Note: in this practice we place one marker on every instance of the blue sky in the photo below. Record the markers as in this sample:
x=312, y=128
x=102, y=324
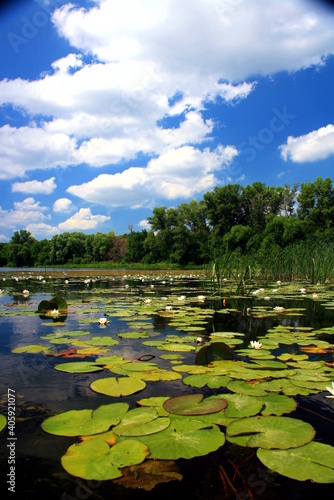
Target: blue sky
x=110, y=108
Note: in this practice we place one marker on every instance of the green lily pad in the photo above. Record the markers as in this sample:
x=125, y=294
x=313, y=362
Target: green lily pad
x=3, y=422
x=184, y=438
x=79, y=367
x=32, y=349
x=77, y=423
x=123, y=386
x=193, y=404
x=244, y=387
x=213, y=352
x=101, y=341
x=314, y=461
x=277, y=404
x=270, y=432
x=95, y=460
x=209, y=379
x=241, y=405
x=141, y=422
x=58, y=303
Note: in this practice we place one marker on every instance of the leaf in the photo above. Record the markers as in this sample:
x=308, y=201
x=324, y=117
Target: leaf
x=123, y=386
x=314, y=461
x=3, y=422
x=95, y=460
x=193, y=404
x=140, y=422
x=184, y=438
x=77, y=423
x=244, y=387
x=79, y=367
x=241, y=405
x=32, y=349
x=271, y=432
x=213, y=352
x=149, y=474
x=211, y=380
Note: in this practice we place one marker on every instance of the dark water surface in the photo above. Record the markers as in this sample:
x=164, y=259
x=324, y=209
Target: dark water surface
x=232, y=472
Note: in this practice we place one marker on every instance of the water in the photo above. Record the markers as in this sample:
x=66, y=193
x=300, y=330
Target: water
x=232, y=472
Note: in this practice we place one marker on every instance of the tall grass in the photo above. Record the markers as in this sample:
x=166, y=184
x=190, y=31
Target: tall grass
x=314, y=263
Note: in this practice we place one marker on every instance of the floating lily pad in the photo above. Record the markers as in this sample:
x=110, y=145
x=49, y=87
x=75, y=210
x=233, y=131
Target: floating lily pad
x=3, y=422
x=184, y=438
x=141, y=422
x=79, y=367
x=241, y=405
x=149, y=474
x=270, y=432
x=213, y=352
x=32, y=349
x=77, y=423
x=314, y=461
x=193, y=404
x=244, y=387
x=123, y=386
x=95, y=460
x=209, y=379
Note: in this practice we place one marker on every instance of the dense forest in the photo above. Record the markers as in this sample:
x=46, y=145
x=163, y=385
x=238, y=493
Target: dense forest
x=275, y=228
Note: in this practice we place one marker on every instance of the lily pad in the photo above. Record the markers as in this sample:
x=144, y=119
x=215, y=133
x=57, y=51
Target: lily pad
x=270, y=432
x=79, y=367
x=95, y=460
x=184, y=438
x=149, y=474
x=3, y=422
x=193, y=404
x=77, y=423
x=314, y=461
x=123, y=386
x=32, y=349
x=213, y=352
x=141, y=422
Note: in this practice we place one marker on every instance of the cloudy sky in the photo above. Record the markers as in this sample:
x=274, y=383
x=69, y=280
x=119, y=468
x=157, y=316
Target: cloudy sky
x=110, y=108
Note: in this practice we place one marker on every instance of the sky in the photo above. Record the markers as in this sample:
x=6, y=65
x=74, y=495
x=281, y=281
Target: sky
x=110, y=108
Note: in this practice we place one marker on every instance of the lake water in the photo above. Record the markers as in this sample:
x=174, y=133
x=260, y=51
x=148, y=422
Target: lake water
x=41, y=391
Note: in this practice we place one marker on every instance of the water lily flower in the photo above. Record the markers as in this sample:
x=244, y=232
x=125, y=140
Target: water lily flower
x=331, y=390
x=278, y=282
x=255, y=344
x=302, y=290
x=199, y=340
x=181, y=297
x=201, y=298
x=25, y=293
x=147, y=301
x=279, y=309
x=266, y=298
x=168, y=308
x=103, y=321
x=315, y=295
x=54, y=312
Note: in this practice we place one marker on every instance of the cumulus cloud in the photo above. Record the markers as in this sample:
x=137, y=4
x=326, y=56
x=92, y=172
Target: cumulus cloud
x=83, y=220
x=314, y=146
x=63, y=205
x=177, y=172
x=25, y=212
x=42, y=230
x=141, y=54
x=35, y=187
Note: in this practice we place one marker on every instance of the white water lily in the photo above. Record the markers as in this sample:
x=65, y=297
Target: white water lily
x=302, y=290
x=54, y=312
x=201, y=298
x=199, y=340
x=331, y=390
x=279, y=309
x=103, y=321
x=147, y=301
x=25, y=293
x=168, y=308
x=255, y=344
x=181, y=297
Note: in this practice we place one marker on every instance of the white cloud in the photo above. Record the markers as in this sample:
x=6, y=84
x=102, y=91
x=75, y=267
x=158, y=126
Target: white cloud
x=177, y=172
x=83, y=220
x=42, y=230
x=63, y=205
x=142, y=54
x=314, y=146
x=144, y=224
x=25, y=212
x=35, y=187
x=29, y=148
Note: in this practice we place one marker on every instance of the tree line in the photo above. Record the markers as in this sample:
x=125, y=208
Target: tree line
x=254, y=221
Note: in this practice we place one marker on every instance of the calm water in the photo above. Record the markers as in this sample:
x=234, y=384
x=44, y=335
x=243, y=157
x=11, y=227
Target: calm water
x=41, y=391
